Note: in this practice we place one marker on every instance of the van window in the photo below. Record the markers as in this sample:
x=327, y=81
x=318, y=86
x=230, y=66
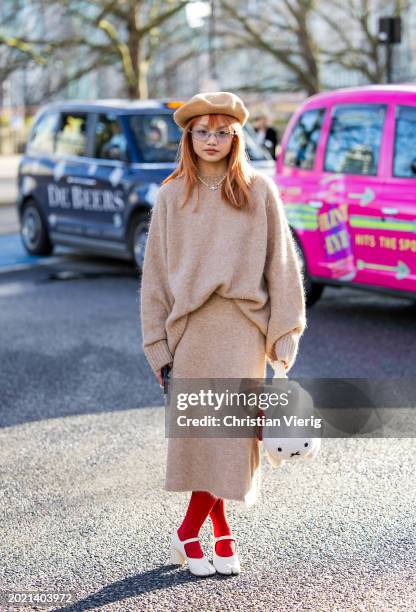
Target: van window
x=404, y=164
x=301, y=147
x=157, y=137
x=354, y=139
x=72, y=135
x=43, y=134
x=110, y=141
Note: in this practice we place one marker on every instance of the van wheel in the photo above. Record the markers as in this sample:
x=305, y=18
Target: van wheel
x=34, y=232
x=138, y=230
x=313, y=291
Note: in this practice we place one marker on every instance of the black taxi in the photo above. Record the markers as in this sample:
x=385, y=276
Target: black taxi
x=91, y=171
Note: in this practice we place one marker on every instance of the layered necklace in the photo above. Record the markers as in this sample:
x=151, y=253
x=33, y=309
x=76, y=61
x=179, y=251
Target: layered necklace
x=215, y=180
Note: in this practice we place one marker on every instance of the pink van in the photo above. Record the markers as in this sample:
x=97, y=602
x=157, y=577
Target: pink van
x=347, y=175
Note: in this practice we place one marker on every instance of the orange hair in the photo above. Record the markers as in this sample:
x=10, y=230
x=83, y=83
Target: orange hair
x=240, y=173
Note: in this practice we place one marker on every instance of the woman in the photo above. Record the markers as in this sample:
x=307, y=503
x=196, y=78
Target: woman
x=222, y=294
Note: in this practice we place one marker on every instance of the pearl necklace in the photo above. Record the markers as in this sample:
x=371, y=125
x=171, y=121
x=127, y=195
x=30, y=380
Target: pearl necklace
x=215, y=186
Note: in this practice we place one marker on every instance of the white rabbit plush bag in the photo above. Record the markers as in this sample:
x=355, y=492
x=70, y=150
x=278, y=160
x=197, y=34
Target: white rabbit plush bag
x=280, y=450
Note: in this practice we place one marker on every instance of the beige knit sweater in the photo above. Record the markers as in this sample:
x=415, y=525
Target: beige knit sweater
x=247, y=257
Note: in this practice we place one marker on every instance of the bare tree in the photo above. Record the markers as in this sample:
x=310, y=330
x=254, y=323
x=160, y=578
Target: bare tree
x=309, y=39
x=15, y=52
x=304, y=39
x=282, y=30
x=353, y=42
x=105, y=32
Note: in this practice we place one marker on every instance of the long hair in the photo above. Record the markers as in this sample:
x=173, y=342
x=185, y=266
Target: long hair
x=235, y=188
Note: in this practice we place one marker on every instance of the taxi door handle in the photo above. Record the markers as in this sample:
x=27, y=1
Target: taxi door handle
x=389, y=211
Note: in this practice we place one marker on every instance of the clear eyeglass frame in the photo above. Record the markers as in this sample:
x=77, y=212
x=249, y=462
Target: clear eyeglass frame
x=203, y=135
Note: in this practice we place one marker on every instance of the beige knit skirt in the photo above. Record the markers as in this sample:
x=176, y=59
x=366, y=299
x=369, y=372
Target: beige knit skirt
x=210, y=348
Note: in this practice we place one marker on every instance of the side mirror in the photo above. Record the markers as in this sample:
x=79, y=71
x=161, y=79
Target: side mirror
x=413, y=166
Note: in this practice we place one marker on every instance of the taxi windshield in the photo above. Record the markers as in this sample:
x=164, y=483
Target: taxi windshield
x=157, y=138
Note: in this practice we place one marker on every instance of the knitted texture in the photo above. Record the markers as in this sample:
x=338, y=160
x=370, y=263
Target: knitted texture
x=248, y=256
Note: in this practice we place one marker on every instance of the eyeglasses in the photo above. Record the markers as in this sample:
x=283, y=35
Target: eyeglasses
x=203, y=135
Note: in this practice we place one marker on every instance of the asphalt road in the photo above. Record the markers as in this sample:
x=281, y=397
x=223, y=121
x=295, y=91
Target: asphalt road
x=82, y=453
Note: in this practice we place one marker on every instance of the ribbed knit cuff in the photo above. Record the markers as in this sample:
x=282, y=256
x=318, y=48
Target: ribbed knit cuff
x=279, y=369
x=158, y=354
x=286, y=348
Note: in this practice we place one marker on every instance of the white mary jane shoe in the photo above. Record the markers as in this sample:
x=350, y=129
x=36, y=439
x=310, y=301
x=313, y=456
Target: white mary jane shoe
x=226, y=565
x=198, y=567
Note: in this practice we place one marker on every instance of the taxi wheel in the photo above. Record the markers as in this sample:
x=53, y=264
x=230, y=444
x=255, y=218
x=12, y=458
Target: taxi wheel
x=139, y=228
x=313, y=291
x=34, y=232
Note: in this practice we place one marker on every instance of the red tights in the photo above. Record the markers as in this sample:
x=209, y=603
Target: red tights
x=202, y=504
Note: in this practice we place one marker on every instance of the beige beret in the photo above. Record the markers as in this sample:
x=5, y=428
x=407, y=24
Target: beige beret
x=216, y=102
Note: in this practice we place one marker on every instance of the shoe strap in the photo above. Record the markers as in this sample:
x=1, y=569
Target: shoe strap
x=224, y=537
x=189, y=540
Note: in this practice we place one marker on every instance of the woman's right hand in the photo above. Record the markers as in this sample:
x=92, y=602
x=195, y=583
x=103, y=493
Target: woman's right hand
x=158, y=374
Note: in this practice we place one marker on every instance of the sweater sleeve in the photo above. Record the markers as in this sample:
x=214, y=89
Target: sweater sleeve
x=285, y=285
x=156, y=298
